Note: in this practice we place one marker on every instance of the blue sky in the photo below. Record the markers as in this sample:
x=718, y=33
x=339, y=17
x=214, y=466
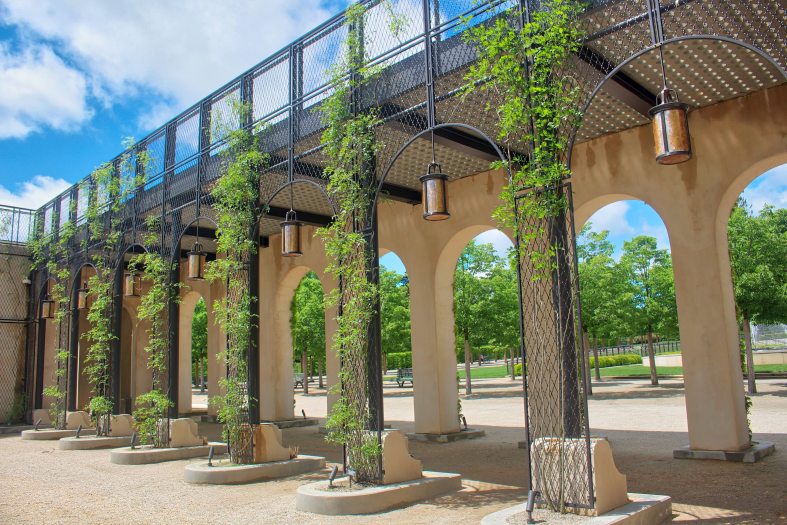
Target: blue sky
x=79, y=76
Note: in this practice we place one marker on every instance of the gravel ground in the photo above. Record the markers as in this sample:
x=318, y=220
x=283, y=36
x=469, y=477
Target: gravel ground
x=41, y=484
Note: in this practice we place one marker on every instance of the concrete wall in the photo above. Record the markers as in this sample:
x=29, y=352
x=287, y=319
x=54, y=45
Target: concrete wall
x=14, y=268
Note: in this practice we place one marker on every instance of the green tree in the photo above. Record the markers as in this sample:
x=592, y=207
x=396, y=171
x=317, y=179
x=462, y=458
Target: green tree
x=308, y=327
x=503, y=306
x=650, y=290
x=199, y=343
x=758, y=258
x=471, y=292
x=602, y=284
x=394, y=312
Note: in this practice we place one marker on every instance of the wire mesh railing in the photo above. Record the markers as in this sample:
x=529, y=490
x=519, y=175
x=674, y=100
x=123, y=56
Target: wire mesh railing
x=16, y=224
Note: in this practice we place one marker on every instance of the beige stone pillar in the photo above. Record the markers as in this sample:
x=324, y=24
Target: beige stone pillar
x=709, y=338
x=434, y=359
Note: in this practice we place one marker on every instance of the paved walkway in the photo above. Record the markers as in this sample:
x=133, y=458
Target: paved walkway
x=40, y=484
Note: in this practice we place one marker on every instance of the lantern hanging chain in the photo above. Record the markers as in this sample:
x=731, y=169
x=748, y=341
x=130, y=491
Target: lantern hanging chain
x=292, y=197
x=663, y=67
x=434, y=158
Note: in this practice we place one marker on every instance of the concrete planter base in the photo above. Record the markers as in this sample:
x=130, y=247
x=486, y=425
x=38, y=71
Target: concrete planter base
x=145, y=455
x=319, y=499
x=52, y=434
x=754, y=453
x=93, y=442
x=201, y=473
x=470, y=433
x=294, y=423
x=644, y=509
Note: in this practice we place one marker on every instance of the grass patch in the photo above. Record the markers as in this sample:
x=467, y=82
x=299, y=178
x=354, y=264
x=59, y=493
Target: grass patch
x=485, y=372
x=644, y=371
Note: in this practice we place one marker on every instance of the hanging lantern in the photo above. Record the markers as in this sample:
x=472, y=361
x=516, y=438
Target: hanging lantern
x=434, y=194
x=291, y=235
x=670, y=123
x=196, y=258
x=132, y=284
x=48, y=308
x=82, y=297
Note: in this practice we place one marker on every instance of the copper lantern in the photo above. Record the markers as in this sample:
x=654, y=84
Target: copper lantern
x=434, y=194
x=82, y=297
x=670, y=129
x=196, y=259
x=47, y=308
x=132, y=284
x=291, y=235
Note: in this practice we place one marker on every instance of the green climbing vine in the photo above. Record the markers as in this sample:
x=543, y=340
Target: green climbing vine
x=110, y=191
x=236, y=198
x=525, y=68
x=51, y=252
x=350, y=146
x=151, y=407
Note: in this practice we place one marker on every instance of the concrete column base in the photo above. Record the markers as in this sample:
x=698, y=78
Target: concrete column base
x=293, y=423
x=145, y=455
x=470, y=433
x=319, y=498
x=643, y=509
x=93, y=442
x=52, y=434
x=228, y=474
x=757, y=451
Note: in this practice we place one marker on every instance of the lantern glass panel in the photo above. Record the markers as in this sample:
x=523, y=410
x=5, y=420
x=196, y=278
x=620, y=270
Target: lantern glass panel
x=434, y=196
x=291, y=239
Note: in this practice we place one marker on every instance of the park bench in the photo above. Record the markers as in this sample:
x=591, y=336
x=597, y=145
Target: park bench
x=298, y=380
x=403, y=375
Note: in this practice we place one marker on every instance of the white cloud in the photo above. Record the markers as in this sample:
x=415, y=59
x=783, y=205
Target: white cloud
x=659, y=231
x=37, y=89
x=181, y=51
x=497, y=239
x=33, y=193
x=612, y=217
x=768, y=188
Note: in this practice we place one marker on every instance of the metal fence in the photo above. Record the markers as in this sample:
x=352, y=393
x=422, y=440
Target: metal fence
x=769, y=336
x=16, y=224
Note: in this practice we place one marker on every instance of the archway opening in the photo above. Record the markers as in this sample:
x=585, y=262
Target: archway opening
x=486, y=310
x=307, y=328
x=199, y=357
x=629, y=311
x=756, y=233
x=396, y=340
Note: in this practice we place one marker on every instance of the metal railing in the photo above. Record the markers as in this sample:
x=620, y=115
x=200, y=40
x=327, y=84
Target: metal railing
x=16, y=224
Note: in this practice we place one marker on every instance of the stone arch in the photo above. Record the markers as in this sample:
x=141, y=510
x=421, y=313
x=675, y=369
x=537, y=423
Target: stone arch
x=188, y=303
x=283, y=372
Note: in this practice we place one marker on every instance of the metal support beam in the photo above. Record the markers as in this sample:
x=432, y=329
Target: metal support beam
x=392, y=191
x=461, y=141
x=620, y=85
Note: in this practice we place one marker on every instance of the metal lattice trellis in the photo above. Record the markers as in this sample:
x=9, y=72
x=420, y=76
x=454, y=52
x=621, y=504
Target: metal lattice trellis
x=714, y=50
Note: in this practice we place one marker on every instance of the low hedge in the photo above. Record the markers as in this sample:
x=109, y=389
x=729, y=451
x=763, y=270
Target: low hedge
x=616, y=360
x=603, y=362
x=399, y=360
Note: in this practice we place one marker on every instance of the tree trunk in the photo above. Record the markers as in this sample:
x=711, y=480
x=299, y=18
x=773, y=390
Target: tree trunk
x=749, y=356
x=200, y=382
x=596, y=365
x=513, y=372
x=319, y=371
x=586, y=356
x=468, y=360
x=654, y=378
x=304, y=373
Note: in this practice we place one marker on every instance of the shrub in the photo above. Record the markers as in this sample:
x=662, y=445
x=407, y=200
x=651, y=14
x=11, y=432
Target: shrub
x=616, y=360
x=518, y=369
x=398, y=360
